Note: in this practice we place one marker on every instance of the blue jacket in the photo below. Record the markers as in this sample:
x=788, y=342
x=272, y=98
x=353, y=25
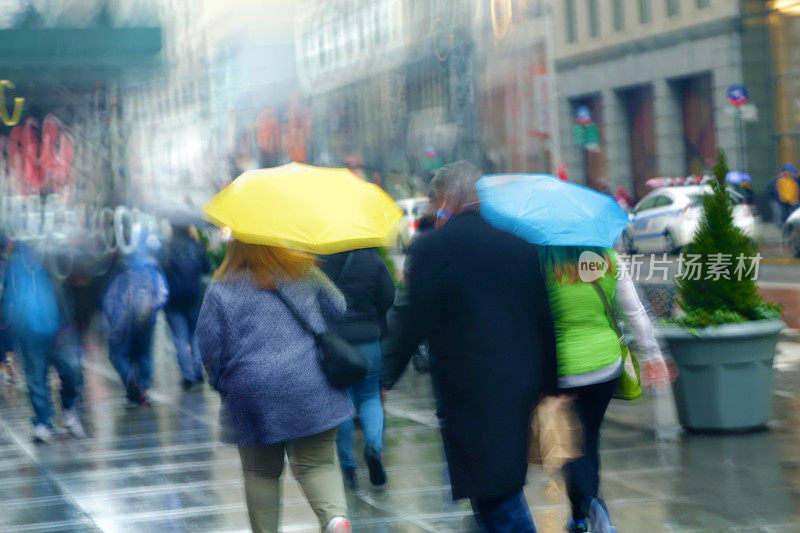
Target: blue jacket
x=264, y=364
x=30, y=301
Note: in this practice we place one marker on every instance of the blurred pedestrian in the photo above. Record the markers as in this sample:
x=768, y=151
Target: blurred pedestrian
x=561, y=172
x=421, y=359
x=131, y=304
x=623, y=198
x=785, y=191
x=368, y=288
x=186, y=263
x=32, y=311
x=590, y=362
x=8, y=365
x=275, y=397
x=479, y=297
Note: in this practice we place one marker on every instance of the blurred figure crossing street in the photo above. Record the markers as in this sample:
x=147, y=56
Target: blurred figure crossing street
x=477, y=294
x=32, y=310
x=276, y=400
x=368, y=288
x=590, y=362
x=130, y=304
x=186, y=263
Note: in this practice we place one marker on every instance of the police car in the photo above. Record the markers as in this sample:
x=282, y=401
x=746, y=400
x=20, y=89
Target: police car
x=666, y=219
x=791, y=232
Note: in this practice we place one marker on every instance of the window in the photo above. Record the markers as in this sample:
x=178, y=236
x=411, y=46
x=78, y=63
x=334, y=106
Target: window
x=569, y=14
x=594, y=23
x=673, y=8
x=647, y=204
x=619, y=15
x=663, y=201
x=645, y=15
x=702, y=4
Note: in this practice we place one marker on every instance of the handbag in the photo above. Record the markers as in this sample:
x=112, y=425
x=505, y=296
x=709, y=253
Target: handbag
x=629, y=386
x=342, y=364
x=556, y=433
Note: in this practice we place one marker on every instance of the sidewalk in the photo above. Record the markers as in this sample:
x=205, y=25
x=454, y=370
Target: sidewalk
x=163, y=469
x=714, y=483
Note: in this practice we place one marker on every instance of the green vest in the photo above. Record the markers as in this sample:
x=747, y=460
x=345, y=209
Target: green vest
x=585, y=341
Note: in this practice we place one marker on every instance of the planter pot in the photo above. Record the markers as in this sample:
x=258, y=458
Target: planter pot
x=726, y=377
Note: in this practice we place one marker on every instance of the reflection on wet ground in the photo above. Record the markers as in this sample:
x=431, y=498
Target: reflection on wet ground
x=162, y=469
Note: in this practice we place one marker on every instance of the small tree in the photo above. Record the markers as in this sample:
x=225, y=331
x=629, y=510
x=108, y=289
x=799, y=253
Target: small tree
x=729, y=297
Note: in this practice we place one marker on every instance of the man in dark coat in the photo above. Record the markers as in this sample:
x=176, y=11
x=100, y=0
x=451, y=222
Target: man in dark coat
x=477, y=294
x=368, y=288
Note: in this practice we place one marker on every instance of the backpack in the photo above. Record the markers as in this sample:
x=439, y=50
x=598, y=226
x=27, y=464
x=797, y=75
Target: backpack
x=140, y=299
x=134, y=297
x=788, y=190
x=184, y=269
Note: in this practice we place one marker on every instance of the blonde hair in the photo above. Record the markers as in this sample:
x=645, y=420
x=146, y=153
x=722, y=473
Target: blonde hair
x=268, y=265
x=561, y=263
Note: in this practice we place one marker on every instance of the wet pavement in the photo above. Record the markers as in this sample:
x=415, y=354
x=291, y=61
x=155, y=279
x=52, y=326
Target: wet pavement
x=161, y=468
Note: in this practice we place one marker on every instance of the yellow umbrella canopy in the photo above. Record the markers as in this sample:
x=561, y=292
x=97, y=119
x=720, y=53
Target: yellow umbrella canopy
x=303, y=207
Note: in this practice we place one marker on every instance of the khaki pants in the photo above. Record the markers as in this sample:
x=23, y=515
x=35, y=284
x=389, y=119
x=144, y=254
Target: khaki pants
x=311, y=459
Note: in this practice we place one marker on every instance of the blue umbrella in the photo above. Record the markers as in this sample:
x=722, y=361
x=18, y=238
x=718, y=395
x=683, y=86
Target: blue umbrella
x=737, y=177
x=544, y=210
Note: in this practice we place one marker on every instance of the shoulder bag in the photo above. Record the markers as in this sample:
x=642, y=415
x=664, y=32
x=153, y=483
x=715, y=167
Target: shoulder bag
x=342, y=365
x=630, y=381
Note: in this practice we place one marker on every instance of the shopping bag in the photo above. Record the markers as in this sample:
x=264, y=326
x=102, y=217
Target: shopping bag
x=556, y=433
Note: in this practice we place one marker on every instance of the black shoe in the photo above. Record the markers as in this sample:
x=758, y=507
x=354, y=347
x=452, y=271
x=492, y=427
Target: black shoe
x=142, y=400
x=349, y=476
x=132, y=392
x=186, y=384
x=377, y=475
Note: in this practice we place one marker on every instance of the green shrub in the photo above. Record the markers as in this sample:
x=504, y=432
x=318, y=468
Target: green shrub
x=384, y=253
x=711, y=302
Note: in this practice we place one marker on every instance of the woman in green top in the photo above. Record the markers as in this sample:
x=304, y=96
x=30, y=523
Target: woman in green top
x=589, y=358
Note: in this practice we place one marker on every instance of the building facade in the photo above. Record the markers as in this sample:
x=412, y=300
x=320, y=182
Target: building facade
x=171, y=160
x=653, y=75
x=515, y=93
x=64, y=64
x=391, y=86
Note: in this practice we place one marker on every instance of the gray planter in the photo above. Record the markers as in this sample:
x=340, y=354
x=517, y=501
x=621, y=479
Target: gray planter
x=726, y=378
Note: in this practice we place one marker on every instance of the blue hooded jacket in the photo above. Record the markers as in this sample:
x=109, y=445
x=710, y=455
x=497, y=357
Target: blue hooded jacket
x=30, y=302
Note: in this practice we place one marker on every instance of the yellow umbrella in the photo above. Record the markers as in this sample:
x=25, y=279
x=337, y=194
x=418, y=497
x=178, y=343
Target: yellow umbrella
x=302, y=207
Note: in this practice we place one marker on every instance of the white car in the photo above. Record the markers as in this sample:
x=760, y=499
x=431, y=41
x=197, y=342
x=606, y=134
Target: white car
x=412, y=209
x=666, y=219
x=791, y=232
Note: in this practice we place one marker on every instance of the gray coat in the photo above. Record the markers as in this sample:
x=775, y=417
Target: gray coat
x=264, y=364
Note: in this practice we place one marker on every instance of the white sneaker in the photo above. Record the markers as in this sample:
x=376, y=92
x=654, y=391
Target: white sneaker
x=73, y=424
x=42, y=433
x=338, y=525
